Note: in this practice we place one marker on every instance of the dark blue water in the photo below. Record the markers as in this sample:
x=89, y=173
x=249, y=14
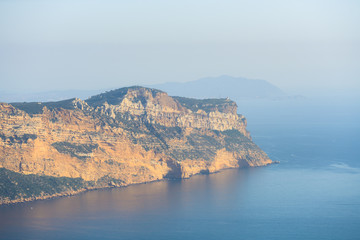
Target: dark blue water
x=314, y=193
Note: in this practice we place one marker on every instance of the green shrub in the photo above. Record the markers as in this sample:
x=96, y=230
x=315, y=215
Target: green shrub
x=75, y=150
x=16, y=185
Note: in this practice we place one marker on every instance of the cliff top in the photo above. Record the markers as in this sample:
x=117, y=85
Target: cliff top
x=37, y=107
x=115, y=97
x=207, y=105
x=134, y=94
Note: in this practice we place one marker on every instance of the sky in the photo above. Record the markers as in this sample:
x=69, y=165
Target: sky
x=300, y=46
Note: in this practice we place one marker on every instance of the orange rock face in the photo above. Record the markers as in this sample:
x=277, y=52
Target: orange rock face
x=130, y=135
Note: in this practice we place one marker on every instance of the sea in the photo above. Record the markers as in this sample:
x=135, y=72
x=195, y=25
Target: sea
x=313, y=193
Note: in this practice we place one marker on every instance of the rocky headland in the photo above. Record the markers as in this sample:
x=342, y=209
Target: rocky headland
x=121, y=137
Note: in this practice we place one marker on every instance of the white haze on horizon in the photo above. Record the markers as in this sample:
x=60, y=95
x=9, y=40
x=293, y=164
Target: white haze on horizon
x=303, y=47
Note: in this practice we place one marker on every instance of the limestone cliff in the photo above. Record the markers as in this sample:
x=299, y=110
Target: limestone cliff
x=126, y=136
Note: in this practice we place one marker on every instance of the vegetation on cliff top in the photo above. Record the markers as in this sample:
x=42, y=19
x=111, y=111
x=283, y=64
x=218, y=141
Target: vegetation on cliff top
x=114, y=97
x=37, y=107
x=207, y=105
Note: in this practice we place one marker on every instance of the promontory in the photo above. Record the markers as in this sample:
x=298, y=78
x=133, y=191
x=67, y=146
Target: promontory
x=121, y=137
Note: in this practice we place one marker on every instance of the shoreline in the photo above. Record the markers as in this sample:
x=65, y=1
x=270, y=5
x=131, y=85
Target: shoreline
x=73, y=193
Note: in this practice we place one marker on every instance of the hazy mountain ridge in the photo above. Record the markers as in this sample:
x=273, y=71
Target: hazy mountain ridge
x=121, y=137
x=222, y=87
x=210, y=87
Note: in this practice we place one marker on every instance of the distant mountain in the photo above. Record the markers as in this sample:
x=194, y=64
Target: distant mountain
x=221, y=87
x=235, y=88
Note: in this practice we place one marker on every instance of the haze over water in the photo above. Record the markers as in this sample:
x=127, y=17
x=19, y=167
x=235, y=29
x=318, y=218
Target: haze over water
x=312, y=194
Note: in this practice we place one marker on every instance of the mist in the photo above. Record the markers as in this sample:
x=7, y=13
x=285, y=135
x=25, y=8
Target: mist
x=309, y=48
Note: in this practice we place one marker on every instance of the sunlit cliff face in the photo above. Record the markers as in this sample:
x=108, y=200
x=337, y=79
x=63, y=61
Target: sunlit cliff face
x=125, y=136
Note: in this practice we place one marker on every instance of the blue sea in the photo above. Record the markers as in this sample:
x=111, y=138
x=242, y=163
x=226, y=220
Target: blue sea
x=314, y=193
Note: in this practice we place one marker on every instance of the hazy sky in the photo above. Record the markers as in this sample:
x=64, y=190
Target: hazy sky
x=96, y=44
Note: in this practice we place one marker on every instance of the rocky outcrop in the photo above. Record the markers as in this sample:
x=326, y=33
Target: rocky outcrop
x=126, y=136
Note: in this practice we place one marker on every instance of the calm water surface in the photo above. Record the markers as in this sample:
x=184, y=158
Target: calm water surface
x=313, y=194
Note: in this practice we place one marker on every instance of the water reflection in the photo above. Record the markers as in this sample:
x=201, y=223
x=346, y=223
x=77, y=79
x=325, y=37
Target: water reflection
x=274, y=199
x=158, y=197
